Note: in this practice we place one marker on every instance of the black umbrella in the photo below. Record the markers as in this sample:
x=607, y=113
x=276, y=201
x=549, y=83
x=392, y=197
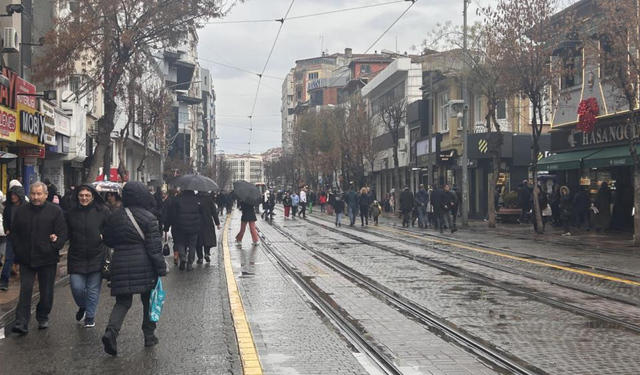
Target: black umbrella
x=195, y=182
x=247, y=193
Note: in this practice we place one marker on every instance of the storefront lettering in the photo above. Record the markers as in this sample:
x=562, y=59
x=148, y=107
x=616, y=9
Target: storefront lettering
x=7, y=123
x=8, y=93
x=32, y=123
x=617, y=133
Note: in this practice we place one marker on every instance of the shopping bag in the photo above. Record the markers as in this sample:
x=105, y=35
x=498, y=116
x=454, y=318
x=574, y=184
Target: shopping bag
x=165, y=249
x=156, y=302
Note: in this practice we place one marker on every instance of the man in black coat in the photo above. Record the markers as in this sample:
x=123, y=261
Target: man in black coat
x=406, y=206
x=524, y=200
x=52, y=190
x=186, y=218
x=38, y=233
x=436, y=199
x=449, y=203
x=207, y=236
x=581, y=206
x=15, y=199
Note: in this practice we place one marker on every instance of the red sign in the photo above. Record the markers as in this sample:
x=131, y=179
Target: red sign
x=24, y=87
x=113, y=176
x=9, y=95
x=32, y=152
x=8, y=124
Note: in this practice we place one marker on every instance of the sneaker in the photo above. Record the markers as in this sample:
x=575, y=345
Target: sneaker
x=255, y=244
x=80, y=314
x=566, y=234
x=182, y=265
x=20, y=329
x=110, y=343
x=152, y=341
x=89, y=322
x=4, y=285
x=43, y=324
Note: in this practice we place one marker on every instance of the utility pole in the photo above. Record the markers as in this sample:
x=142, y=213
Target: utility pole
x=465, y=123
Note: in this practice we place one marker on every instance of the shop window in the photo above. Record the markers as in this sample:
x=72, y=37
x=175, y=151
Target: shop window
x=572, y=66
x=607, y=66
x=501, y=110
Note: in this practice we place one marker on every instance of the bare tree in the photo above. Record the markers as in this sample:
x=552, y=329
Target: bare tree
x=155, y=106
x=393, y=115
x=223, y=172
x=105, y=35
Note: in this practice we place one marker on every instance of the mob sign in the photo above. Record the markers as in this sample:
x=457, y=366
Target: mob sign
x=32, y=124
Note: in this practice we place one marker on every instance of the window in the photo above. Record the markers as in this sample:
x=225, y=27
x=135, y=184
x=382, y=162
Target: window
x=443, y=99
x=572, y=66
x=607, y=66
x=299, y=94
x=313, y=75
x=289, y=98
x=365, y=69
x=501, y=110
x=478, y=110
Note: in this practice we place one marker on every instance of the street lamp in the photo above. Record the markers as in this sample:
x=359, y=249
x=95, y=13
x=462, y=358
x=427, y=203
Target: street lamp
x=13, y=8
x=465, y=123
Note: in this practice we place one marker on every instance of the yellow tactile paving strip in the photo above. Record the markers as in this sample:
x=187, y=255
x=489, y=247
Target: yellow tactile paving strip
x=248, y=352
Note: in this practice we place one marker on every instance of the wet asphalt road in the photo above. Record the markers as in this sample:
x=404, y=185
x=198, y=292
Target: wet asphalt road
x=195, y=332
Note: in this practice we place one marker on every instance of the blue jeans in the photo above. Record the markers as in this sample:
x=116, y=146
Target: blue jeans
x=86, y=291
x=422, y=216
x=339, y=218
x=8, y=262
x=352, y=215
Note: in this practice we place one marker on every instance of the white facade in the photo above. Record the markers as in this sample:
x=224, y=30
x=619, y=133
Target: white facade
x=286, y=109
x=246, y=167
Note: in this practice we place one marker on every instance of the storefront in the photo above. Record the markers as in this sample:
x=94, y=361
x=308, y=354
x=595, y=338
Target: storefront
x=585, y=161
x=8, y=127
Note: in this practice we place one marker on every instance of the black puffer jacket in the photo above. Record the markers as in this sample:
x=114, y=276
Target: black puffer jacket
x=9, y=208
x=136, y=263
x=86, y=225
x=186, y=213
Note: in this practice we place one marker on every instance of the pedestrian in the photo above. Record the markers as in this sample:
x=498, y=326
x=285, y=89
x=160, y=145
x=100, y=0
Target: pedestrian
x=65, y=203
x=295, y=202
x=331, y=200
x=545, y=210
x=186, y=213
x=221, y=202
x=286, y=202
x=406, y=206
x=265, y=204
x=114, y=201
x=363, y=205
x=303, y=203
x=436, y=198
x=87, y=220
x=524, y=200
x=603, y=206
x=338, y=207
x=3, y=235
x=158, y=197
x=581, y=206
x=449, y=203
x=230, y=199
x=312, y=200
x=430, y=213
x=38, y=232
x=248, y=217
x=166, y=223
x=455, y=209
x=376, y=211
x=392, y=200
x=323, y=201
x=271, y=206
x=209, y=221
x=52, y=190
x=137, y=262
x=422, y=200
x=351, y=199
x=14, y=200
x=566, y=209
x=554, y=201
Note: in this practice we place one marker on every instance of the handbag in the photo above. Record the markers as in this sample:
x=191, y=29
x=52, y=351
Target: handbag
x=105, y=271
x=165, y=249
x=156, y=301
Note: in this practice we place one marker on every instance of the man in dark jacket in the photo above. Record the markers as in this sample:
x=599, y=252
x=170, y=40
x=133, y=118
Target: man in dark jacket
x=422, y=198
x=524, y=200
x=52, y=190
x=406, y=206
x=436, y=199
x=221, y=202
x=186, y=216
x=351, y=199
x=137, y=262
x=449, y=203
x=38, y=232
x=581, y=206
x=207, y=236
x=15, y=199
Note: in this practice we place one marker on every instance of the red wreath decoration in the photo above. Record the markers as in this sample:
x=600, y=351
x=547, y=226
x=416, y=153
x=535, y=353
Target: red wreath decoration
x=587, y=111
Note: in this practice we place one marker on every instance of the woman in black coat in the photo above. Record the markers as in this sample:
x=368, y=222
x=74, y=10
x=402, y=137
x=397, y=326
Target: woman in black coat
x=207, y=236
x=137, y=262
x=86, y=221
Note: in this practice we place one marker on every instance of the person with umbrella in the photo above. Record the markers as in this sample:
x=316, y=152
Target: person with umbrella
x=248, y=196
x=185, y=219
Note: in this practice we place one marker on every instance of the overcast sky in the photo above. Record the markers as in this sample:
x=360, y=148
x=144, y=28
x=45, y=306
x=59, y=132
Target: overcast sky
x=246, y=46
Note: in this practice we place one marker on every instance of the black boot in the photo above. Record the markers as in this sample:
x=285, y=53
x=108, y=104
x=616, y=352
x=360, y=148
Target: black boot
x=110, y=343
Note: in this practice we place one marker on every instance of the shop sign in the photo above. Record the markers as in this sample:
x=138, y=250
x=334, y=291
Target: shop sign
x=32, y=152
x=49, y=113
x=30, y=161
x=8, y=124
x=574, y=139
x=422, y=147
x=32, y=125
x=62, y=124
x=24, y=87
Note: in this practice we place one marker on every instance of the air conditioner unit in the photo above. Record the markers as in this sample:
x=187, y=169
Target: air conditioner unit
x=11, y=41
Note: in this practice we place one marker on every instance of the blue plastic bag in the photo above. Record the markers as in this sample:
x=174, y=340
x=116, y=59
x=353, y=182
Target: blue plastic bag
x=156, y=302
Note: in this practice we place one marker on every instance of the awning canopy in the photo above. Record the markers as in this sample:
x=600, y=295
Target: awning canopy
x=564, y=161
x=610, y=157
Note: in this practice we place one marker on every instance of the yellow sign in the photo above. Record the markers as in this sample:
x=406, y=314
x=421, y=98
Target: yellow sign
x=483, y=146
x=8, y=124
x=31, y=124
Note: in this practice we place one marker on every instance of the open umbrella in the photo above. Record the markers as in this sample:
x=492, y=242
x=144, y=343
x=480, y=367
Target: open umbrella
x=108, y=187
x=195, y=182
x=247, y=193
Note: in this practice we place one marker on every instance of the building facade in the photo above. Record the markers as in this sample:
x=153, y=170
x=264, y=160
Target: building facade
x=246, y=167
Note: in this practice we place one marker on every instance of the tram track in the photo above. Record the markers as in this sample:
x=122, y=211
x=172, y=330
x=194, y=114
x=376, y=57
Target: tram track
x=490, y=281
x=499, y=360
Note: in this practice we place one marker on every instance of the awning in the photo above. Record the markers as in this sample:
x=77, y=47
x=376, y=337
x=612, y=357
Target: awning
x=610, y=157
x=564, y=161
